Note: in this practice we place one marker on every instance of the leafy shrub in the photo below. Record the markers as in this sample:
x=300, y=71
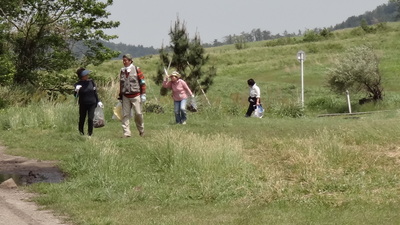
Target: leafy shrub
x=326, y=33
x=240, y=42
x=7, y=70
x=311, y=36
x=358, y=31
x=366, y=28
x=357, y=71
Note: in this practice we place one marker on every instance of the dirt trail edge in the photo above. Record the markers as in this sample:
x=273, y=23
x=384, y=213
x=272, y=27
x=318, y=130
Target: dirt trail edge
x=16, y=207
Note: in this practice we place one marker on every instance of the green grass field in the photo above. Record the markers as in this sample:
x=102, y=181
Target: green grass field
x=222, y=168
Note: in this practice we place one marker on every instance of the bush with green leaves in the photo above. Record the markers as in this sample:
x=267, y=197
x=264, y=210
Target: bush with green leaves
x=240, y=42
x=311, y=36
x=366, y=28
x=358, y=72
x=42, y=37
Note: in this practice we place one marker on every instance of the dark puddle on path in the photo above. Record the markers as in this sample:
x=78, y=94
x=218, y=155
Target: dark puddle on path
x=32, y=178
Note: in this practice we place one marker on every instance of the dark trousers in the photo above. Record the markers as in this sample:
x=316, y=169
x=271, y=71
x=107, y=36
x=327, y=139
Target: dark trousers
x=252, y=106
x=86, y=109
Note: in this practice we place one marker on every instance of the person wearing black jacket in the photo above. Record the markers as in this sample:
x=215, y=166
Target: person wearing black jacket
x=85, y=90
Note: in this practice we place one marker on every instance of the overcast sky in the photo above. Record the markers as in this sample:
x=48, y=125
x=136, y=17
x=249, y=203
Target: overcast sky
x=148, y=22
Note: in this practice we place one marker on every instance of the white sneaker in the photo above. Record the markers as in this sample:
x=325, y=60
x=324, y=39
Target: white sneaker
x=184, y=122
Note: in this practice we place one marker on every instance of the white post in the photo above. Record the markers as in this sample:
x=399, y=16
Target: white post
x=348, y=100
x=302, y=81
x=301, y=56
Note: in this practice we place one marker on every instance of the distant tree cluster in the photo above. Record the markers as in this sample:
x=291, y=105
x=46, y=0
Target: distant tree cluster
x=383, y=13
x=136, y=51
x=253, y=36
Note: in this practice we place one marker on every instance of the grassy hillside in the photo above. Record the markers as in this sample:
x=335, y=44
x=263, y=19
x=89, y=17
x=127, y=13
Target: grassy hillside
x=277, y=70
x=274, y=66
x=222, y=168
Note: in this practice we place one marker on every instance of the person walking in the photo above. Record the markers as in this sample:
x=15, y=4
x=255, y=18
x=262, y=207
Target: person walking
x=254, y=97
x=132, y=93
x=180, y=91
x=85, y=91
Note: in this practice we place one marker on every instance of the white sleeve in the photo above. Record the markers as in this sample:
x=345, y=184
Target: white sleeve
x=258, y=93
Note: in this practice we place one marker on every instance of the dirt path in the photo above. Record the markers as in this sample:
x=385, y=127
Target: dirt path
x=16, y=209
x=15, y=205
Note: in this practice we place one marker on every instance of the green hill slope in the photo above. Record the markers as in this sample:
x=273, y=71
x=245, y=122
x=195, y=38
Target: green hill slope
x=274, y=66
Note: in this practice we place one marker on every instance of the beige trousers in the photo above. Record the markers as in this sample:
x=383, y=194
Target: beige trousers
x=127, y=104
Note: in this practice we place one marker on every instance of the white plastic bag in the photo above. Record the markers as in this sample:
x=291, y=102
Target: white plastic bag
x=98, y=120
x=117, y=111
x=259, y=111
x=192, y=107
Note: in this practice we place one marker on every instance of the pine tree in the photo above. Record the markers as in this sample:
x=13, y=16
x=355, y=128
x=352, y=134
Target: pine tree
x=186, y=57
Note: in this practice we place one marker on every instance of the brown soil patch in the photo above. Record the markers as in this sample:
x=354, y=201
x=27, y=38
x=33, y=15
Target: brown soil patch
x=16, y=206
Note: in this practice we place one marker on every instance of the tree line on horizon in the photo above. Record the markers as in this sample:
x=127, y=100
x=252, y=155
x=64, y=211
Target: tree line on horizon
x=384, y=13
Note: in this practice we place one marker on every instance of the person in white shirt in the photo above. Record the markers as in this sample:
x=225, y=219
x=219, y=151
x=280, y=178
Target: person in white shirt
x=254, y=97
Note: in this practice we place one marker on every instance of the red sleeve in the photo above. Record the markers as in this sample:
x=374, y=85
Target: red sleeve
x=142, y=82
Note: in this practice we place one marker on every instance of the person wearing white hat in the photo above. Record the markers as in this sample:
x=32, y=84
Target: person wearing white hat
x=85, y=90
x=180, y=91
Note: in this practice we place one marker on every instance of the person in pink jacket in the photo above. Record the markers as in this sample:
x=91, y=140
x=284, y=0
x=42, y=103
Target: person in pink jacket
x=180, y=92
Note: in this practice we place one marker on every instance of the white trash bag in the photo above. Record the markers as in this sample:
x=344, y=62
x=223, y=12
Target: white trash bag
x=259, y=111
x=192, y=107
x=117, y=111
x=98, y=120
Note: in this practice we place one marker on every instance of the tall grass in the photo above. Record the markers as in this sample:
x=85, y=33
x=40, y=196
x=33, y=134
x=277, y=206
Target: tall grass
x=42, y=115
x=187, y=165
x=214, y=162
